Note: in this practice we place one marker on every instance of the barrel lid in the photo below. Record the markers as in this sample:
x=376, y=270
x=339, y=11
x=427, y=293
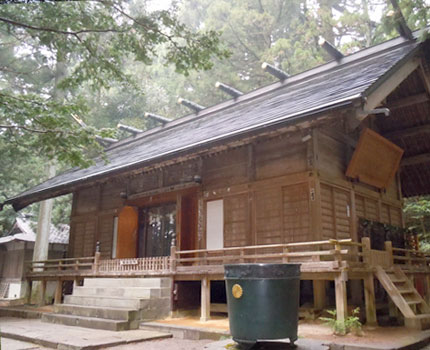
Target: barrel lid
x=261, y=270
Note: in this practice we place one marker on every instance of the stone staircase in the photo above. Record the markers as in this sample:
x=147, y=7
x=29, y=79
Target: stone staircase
x=404, y=295
x=114, y=303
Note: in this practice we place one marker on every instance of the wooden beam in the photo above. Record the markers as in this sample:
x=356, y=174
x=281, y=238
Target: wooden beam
x=205, y=299
x=341, y=298
x=408, y=101
x=58, y=292
x=369, y=297
x=425, y=80
x=387, y=87
x=409, y=132
x=418, y=159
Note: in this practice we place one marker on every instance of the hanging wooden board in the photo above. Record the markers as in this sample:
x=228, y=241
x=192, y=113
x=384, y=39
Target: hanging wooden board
x=375, y=160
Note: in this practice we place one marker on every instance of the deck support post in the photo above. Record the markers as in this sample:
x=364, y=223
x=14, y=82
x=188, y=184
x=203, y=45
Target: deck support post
x=58, y=291
x=369, y=297
x=341, y=296
x=205, y=300
x=29, y=291
x=42, y=293
x=319, y=294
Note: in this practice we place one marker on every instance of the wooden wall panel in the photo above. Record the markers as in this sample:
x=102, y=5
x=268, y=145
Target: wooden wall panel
x=278, y=157
x=395, y=216
x=236, y=221
x=180, y=173
x=371, y=209
x=342, y=206
x=296, y=213
x=359, y=206
x=87, y=200
x=327, y=213
x=83, y=234
x=145, y=182
x=268, y=215
x=110, y=195
x=225, y=169
x=105, y=235
x=336, y=212
x=385, y=214
x=332, y=156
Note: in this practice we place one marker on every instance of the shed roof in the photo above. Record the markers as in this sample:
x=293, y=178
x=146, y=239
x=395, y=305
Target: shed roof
x=23, y=231
x=337, y=84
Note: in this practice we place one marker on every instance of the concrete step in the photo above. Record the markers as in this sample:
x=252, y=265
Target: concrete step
x=120, y=314
x=90, y=322
x=129, y=282
x=117, y=302
x=126, y=292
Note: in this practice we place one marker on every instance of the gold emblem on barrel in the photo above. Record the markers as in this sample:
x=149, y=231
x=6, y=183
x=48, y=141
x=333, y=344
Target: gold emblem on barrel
x=237, y=291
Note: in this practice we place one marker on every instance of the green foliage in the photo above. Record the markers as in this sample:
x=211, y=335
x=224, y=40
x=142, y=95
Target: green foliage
x=417, y=217
x=351, y=324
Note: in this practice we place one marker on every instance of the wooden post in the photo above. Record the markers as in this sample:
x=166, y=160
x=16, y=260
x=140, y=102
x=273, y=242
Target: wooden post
x=173, y=258
x=341, y=297
x=205, y=299
x=389, y=250
x=42, y=293
x=366, y=250
x=285, y=259
x=58, y=292
x=29, y=291
x=319, y=294
x=369, y=297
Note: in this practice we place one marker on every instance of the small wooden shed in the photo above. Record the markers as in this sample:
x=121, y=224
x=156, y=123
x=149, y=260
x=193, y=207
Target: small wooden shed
x=17, y=247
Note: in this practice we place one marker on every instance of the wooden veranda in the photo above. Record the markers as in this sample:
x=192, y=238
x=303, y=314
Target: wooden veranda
x=329, y=260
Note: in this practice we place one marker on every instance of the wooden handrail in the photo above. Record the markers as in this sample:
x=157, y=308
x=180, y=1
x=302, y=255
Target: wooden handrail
x=268, y=246
x=58, y=260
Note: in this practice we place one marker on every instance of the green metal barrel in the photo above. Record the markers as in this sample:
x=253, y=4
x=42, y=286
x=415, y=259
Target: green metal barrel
x=263, y=301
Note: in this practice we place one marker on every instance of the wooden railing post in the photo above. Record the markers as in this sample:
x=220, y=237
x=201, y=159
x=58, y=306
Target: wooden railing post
x=173, y=258
x=366, y=250
x=285, y=258
x=58, y=291
x=96, y=259
x=389, y=250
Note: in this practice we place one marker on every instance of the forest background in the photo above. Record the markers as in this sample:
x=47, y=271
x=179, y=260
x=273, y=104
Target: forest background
x=109, y=62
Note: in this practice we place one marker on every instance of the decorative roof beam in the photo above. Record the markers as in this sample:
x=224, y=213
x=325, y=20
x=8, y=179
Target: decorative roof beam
x=129, y=129
x=331, y=49
x=228, y=89
x=191, y=105
x=158, y=118
x=400, y=22
x=106, y=140
x=276, y=72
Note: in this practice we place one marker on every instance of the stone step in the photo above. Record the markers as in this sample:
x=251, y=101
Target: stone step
x=90, y=322
x=98, y=312
x=118, y=302
x=126, y=292
x=129, y=282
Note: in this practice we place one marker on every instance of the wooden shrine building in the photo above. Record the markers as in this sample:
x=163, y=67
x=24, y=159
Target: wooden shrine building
x=284, y=173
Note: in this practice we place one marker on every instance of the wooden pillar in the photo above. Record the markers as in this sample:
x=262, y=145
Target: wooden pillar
x=58, y=292
x=341, y=297
x=319, y=294
x=205, y=299
x=369, y=297
x=29, y=291
x=42, y=293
